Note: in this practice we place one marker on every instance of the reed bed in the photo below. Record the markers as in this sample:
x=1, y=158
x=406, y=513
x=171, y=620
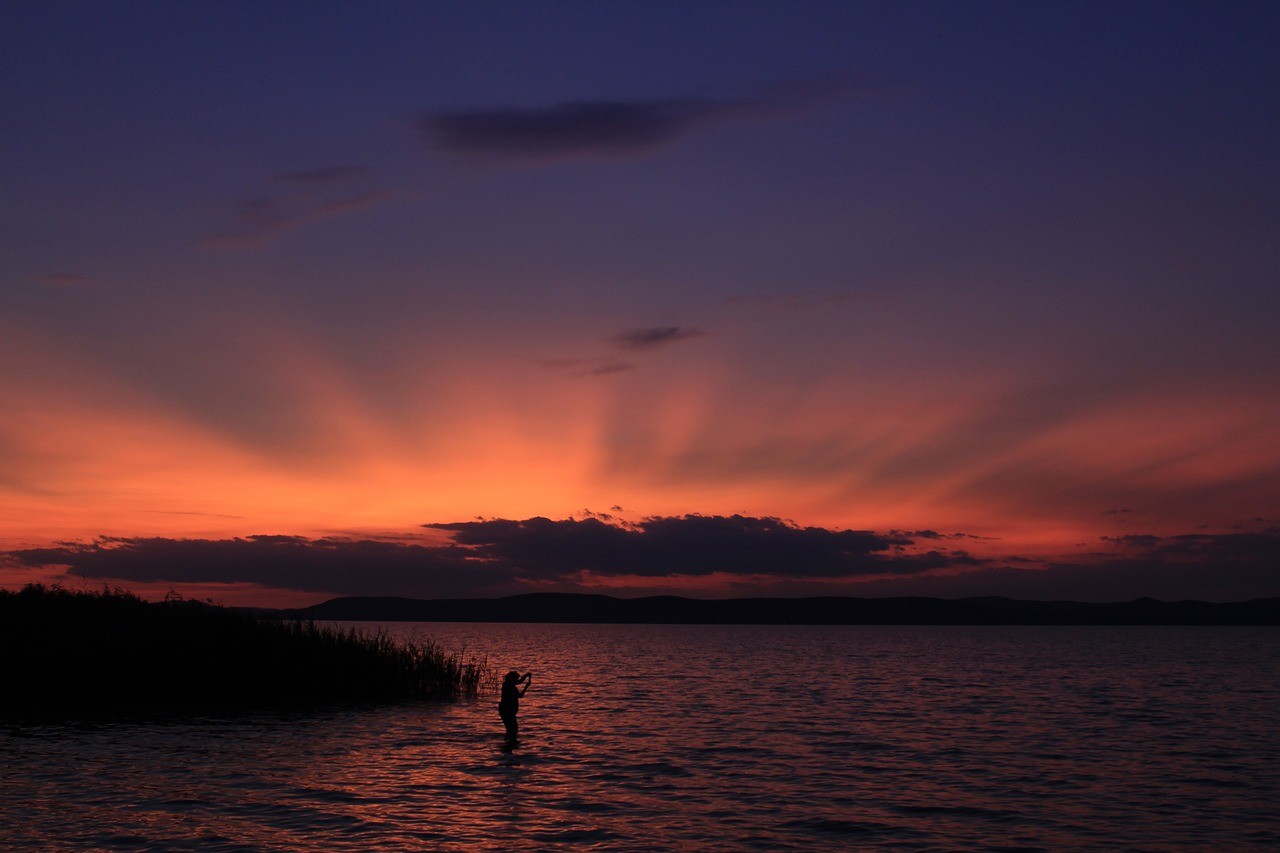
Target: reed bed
x=74, y=654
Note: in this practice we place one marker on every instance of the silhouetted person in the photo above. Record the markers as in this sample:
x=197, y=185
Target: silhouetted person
x=509, y=705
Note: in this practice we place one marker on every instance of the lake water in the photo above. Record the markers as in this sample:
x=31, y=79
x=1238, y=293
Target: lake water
x=712, y=737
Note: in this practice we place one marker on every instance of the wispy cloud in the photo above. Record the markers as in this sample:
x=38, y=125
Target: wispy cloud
x=285, y=202
x=582, y=367
x=603, y=128
x=633, y=341
x=606, y=367
x=654, y=337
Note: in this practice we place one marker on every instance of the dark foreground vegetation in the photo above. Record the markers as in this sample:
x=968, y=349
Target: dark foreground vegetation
x=85, y=654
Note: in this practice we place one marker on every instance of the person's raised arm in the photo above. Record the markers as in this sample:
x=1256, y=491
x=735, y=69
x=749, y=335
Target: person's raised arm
x=528, y=679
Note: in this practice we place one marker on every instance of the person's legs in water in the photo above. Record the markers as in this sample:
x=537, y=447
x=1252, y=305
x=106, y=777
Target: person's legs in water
x=513, y=726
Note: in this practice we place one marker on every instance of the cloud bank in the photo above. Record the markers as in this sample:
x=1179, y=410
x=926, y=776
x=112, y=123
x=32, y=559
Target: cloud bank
x=499, y=556
x=338, y=566
x=753, y=556
x=1205, y=566
x=690, y=545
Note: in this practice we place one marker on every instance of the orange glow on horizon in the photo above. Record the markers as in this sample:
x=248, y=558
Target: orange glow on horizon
x=93, y=454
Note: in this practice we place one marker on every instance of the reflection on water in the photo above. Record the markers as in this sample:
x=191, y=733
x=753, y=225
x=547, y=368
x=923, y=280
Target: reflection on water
x=734, y=737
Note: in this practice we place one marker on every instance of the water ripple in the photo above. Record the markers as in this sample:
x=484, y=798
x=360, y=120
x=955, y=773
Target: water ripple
x=712, y=738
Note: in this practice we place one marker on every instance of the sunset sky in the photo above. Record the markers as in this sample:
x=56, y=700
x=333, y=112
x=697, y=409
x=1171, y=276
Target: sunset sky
x=312, y=299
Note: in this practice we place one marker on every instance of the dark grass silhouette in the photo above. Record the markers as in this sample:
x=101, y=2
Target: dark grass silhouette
x=86, y=654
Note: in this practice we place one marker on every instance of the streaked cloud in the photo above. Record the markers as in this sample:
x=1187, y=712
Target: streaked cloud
x=282, y=203
x=634, y=341
x=607, y=367
x=582, y=367
x=654, y=337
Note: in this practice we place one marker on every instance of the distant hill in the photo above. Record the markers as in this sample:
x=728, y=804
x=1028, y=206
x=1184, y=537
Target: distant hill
x=673, y=610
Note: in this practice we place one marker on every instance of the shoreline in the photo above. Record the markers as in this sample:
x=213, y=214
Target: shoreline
x=576, y=608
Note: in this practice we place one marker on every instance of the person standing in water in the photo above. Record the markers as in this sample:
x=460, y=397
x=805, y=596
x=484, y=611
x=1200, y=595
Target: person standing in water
x=509, y=705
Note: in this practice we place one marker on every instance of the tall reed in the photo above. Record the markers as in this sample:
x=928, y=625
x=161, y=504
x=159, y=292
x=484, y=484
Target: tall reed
x=72, y=653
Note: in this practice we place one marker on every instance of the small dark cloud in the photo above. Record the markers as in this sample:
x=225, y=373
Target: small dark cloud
x=573, y=128
x=933, y=534
x=1133, y=540
x=654, y=337
x=632, y=340
x=291, y=200
x=604, y=128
